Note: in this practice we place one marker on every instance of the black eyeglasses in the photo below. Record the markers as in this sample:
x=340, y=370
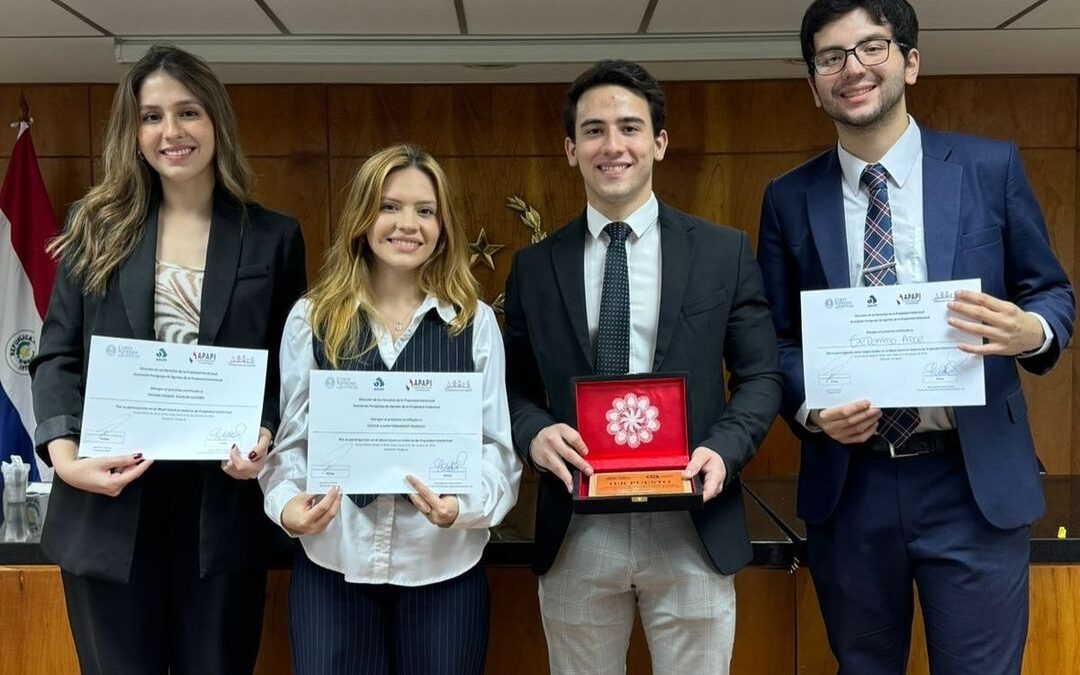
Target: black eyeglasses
x=868, y=52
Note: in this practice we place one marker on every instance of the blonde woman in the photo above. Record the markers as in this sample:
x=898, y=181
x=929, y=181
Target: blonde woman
x=391, y=583
x=163, y=563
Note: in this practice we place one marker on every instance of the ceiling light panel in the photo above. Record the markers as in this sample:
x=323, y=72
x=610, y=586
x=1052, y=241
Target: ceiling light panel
x=34, y=18
x=168, y=17
x=354, y=17
x=1053, y=14
x=711, y=16
x=554, y=17
x=961, y=14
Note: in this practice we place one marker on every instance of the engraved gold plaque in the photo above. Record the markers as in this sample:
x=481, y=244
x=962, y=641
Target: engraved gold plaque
x=623, y=483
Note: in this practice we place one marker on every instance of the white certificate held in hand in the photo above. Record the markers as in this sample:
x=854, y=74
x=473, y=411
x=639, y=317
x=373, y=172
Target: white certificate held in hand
x=368, y=430
x=890, y=345
x=169, y=400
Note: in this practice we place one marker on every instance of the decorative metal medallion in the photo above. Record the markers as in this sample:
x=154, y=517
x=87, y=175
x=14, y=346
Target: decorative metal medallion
x=499, y=303
x=633, y=420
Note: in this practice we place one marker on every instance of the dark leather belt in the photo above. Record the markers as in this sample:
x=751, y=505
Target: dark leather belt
x=918, y=444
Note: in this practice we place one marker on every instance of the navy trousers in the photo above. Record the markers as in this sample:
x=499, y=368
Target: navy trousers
x=915, y=519
x=337, y=627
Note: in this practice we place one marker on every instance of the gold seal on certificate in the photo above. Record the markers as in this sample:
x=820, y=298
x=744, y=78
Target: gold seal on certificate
x=620, y=483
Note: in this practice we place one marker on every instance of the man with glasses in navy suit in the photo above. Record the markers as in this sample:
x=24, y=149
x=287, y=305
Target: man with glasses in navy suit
x=940, y=496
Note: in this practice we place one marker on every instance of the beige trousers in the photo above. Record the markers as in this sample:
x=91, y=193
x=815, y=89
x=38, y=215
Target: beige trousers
x=607, y=565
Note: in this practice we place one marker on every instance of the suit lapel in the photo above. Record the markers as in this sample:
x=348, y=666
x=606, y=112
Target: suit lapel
x=568, y=260
x=676, y=255
x=222, y=260
x=942, y=183
x=137, y=277
x=825, y=206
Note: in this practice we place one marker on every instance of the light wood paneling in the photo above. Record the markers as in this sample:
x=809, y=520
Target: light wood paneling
x=34, y=634
x=764, y=641
x=60, y=118
x=1033, y=112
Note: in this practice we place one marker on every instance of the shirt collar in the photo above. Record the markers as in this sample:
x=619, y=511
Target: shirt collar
x=445, y=310
x=640, y=221
x=898, y=161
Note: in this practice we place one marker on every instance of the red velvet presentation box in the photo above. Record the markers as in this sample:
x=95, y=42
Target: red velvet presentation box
x=639, y=424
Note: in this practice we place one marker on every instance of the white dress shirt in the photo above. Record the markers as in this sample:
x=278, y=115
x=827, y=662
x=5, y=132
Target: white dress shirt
x=389, y=541
x=903, y=164
x=643, y=267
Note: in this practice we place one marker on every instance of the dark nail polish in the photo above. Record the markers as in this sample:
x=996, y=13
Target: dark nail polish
x=252, y=455
x=138, y=456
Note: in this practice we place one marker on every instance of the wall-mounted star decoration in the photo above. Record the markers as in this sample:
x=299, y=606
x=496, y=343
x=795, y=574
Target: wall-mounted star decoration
x=481, y=250
x=498, y=304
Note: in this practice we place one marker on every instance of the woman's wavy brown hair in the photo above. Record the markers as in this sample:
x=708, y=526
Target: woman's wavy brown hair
x=103, y=228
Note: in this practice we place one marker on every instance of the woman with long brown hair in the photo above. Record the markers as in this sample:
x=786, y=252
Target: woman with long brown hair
x=391, y=583
x=163, y=562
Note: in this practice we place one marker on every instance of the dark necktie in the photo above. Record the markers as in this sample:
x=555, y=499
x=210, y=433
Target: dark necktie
x=879, y=269
x=613, y=334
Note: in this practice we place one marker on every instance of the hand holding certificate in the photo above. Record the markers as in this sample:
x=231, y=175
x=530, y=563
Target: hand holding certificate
x=169, y=400
x=891, y=345
x=368, y=430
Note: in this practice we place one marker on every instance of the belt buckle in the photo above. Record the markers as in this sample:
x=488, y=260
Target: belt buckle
x=893, y=453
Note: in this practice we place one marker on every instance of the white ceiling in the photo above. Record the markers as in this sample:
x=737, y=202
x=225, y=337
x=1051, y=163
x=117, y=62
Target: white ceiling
x=500, y=40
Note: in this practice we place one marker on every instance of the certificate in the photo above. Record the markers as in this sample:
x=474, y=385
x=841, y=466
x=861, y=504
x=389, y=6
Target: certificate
x=169, y=400
x=890, y=345
x=368, y=430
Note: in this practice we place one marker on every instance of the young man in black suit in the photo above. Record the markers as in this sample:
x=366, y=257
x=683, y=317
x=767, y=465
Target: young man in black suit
x=677, y=295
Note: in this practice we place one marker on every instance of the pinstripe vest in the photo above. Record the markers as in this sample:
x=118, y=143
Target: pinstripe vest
x=431, y=349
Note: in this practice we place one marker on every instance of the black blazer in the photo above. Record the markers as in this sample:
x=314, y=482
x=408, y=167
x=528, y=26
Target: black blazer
x=254, y=273
x=712, y=314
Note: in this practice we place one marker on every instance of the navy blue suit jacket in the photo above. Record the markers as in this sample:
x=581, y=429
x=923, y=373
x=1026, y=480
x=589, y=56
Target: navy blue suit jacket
x=981, y=220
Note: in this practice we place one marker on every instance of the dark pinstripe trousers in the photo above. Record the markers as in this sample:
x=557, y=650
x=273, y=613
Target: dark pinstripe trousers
x=336, y=627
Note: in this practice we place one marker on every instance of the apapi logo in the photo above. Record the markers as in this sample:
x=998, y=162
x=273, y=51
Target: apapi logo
x=202, y=358
x=909, y=298
x=871, y=301
x=21, y=349
x=416, y=384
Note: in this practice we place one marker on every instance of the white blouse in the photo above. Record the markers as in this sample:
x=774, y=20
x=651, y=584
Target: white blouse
x=389, y=541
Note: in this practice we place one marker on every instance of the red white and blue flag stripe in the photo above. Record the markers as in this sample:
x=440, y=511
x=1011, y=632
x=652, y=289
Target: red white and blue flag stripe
x=26, y=277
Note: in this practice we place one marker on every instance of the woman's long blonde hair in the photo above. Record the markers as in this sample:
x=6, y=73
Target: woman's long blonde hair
x=345, y=279
x=105, y=226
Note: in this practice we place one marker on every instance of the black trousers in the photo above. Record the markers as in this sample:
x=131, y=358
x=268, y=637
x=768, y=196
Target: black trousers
x=380, y=629
x=166, y=619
